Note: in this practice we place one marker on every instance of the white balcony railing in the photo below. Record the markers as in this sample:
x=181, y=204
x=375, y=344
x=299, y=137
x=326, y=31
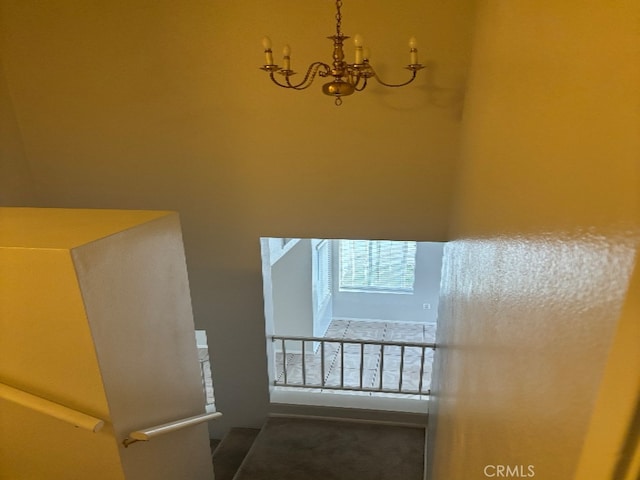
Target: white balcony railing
x=353, y=365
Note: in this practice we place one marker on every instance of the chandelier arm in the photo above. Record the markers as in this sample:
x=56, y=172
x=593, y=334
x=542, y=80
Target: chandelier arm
x=413, y=77
x=364, y=84
x=273, y=79
x=306, y=82
x=312, y=71
x=358, y=75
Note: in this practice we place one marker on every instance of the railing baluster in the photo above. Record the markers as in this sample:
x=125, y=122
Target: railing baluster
x=284, y=360
x=401, y=368
x=381, y=365
x=304, y=364
x=322, y=362
x=342, y=364
x=361, y=363
x=421, y=369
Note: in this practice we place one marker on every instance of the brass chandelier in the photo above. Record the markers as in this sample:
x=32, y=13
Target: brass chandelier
x=347, y=77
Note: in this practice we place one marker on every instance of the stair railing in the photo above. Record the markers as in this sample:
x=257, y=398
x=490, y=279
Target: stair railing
x=147, y=434
x=53, y=409
x=321, y=342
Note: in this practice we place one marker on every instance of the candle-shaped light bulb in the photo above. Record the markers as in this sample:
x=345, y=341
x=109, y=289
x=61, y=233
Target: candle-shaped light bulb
x=286, y=53
x=413, y=51
x=357, y=40
x=266, y=44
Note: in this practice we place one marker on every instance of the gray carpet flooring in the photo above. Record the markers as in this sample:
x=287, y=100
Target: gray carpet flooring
x=302, y=449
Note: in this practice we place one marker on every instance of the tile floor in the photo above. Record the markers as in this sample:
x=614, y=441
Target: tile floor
x=363, y=330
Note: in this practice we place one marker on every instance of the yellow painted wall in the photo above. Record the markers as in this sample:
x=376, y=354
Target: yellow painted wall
x=546, y=232
x=161, y=105
x=612, y=444
x=46, y=349
x=95, y=314
x=16, y=183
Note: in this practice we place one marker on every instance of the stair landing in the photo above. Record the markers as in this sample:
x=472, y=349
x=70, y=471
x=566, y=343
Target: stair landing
x=229, y=454
x=314, y=449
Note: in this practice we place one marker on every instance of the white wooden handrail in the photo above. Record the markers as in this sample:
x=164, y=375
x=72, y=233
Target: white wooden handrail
x=53, y=409
x=149, y=433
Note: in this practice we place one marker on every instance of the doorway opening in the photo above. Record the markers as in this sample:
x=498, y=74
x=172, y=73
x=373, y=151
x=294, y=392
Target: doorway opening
x=351, y=322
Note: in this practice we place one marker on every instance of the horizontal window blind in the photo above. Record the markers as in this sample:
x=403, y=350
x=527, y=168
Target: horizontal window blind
x=377, y=265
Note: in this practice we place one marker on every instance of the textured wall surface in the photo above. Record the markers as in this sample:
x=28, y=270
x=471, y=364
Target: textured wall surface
x=545, y=235
x=525, y=329
x=136, y=294
x=611, y=445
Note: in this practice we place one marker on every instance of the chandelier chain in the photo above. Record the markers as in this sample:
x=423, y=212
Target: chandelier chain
x=338, y=17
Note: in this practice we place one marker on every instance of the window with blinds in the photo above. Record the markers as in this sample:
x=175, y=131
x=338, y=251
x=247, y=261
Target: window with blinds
x=377, y=266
